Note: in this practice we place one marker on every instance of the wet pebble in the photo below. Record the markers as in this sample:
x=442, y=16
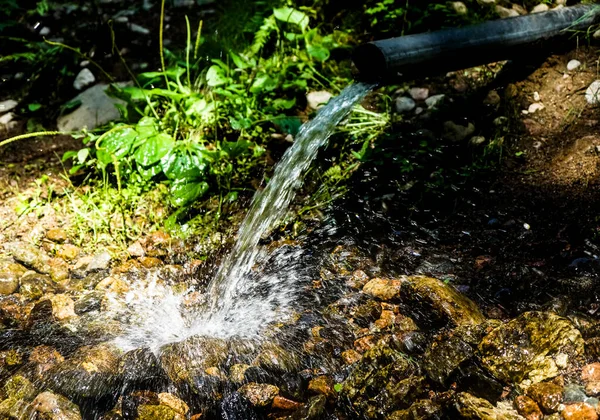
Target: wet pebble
x=542, y=7
x=404, y=104
x=318, y=99
x=573, y=393
x=579, y=411
x=323, y=385
x=592, y=94
x=434, y=101
x=528, y=408
x=83, y=79
x=7, y=105
x=55, y=407
x=259, y=395
x=419, y=94
x=573, y=64
x=547, y=395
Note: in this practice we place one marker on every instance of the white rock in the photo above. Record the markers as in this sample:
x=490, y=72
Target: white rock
x=477, y=140
x=535, y=107
x=7, y=105
x=592, y=94
x=45, y=31
x=536, y=96
x=486, y=2
x=138, y=29
x=561, y=2
x=419, y=110
x=503, y=12
x=404, y=104
x=434, y=101
x=6, y=118
x=540, y=8
x=84, y=79
x=573, y=64
x=596, y=35
x=96, y=109
x=121, y=19
x=419, y=94
x=318, y=98
x=459, y=7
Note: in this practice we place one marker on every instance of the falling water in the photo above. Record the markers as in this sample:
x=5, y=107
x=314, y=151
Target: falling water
x=270, y=206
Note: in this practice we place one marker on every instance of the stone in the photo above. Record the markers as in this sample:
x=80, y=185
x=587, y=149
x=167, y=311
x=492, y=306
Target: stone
x=444, y=357
x=592, y=388
x=404, y=104
x=492, y=98
x=96, y=109
x=136, y=249
x=20, y=388
x=259, y=395
x=55, y=407
x=8, y=105
x=29, y=255
x=528, y=408
x=504, y=13
x=99, y=262
x=57, y=235
x=579, y=411
x=63, y=307
x=174, y=403
x=274, y=358
x=547, y=395
x=456, y=132
x=323, y=385
x=419, y=410
x=592, y=94
x=434, y=101
x=591, y=372
x=68, y=252
x=282, y=403
x=150, y=262
x=157, y=412
x=83, y=79
x=523, y=348
x=459, y=7
x=534, y=107
x=10, y=273
x=383, y=289
x=573, y=64
x=419, y=94
x=237, y=371
x=33, y=285
x=139, y=29
x=542, y=7
x=477, y=140
x=573, y=393
x=471, y=407
x=596, y=34
x=318, y=99
x=351, y=356
x=42, y=359
x=58, y=270
x=7, y=118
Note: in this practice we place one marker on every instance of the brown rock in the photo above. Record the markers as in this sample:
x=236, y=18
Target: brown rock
x=171, y=401
x=57, y=235
x=259, y=395
x=358, y=279
x=58, y=269
x=63, y=307
x=55, y=407
x=547, y=395
x=323, y=385
x=528, y=408
x=149, y=262
x=579, y=411
x=591, y=372
x=351, y=356
x=136, y=249
x=383, y=289
x=592, y=388
x=44, y=358
x=365, y=343
x=281, y=403
x=68, y=252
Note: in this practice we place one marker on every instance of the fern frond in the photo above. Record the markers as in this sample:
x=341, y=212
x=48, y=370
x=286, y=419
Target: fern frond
x=261, y=37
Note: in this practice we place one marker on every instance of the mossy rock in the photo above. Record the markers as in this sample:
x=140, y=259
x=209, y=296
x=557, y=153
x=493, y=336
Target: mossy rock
x=473, y=408
x=157, y=412
x=523, y=349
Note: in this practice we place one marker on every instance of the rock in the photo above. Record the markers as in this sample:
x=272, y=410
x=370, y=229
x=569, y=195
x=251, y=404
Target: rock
x=528, y=408
x=573, y=393
x=473, y=408
x=317, y=99
x=477, y=140
x=455, y=132
x=62, y=308
x=282, y=403
x=276, y=359
x=351, y=356
x=596, y=34
x=29, y=255
x=435, y=100
x=19, y=388
x=540, y=8
x=312, y=410
x=55, y=407
x=67, y=252
x=7, y=105
x=42, y=359
x=592, y=388
x=136, y=249
x=523, y=348
x=99, y=262
x=7, y=118
x=419, y=94
x=534, y=107
x=536, y=96
x=444, y=357
x=591, y=372
x=459, y=7
x=157, y=412
x=579, y=411
x=89, y=302
x=503, y=12
x=96, y=109
x=10, y=273
x=57, y=235
x=13, y=408
x=84, y=79
x=383, y=289
x=547, y=395
x=323, y=385
x=592, y=94
x=404, y=104
x=419, y=410
x=492, y=98
x=58, y=270
x=174, y=403
x=573, y=64
x=33, y=285
x=259, y=395
x=237, y=371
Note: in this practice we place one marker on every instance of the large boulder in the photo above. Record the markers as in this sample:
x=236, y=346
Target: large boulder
x=526, y=348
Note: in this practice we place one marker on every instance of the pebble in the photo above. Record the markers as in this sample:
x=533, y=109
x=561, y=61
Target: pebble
x=317, y=99
x=45, y=31
x=592, y=94
x=534, y=107
x=547, y=395
x=591, y=373
x=536, y=96
x=139, y=29
x=99, y=262
x=404, y=104
x=503, y=12
x=7, y=105
x=540, y=8
x=57, y=235
x=477, y=140
x=492, y=98
x=459, y=7
x=573, y=64
x=259, y=395
x=419, y=94
x=434, y=101
x=323, y=385
x=528, y=408
x=83, y=79
x=7, y=118
x=579, y=411
x=281, y=403
x=596, y=35
x=573, y=393
x=456, y=132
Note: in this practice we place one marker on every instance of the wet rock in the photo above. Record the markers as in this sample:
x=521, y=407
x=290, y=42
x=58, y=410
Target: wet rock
x=67, y=252
x=89, y=302
x=10, y=360
x=34, y=286
x=237, y=372
x=459, y=7
x=419, y=94
x=42, y=359
x=579, y=411
x=366, y=313
x=136, y=249
x=540, y=8
x=444, y=357
x=29, y=255
x=20, y=388
x=456, y=132
x=591, y=372
x=351, y=356
x=15, y=409
x=573, y=393
x=434, y=101
x=592, y=94
x=96, y=109
x=83, y=79
x=155, y=412
x=259, y=395
x=312, y=410
x=8, y=105
x=470, y=407
x=525, y=347
x=547, y=395
x=528, y=408
x=55, y=407
x=383, y=289
x=90, y=372
x=174, y=403
x=404, y=104
x=504, y=13
x=317, y=99
x=492, y=98
x=9, y=281
x=61, y=308
x=99, y=262
x=57, y=235
x=573, y=64
x=592, y=388
x=140, y=367
x=419, y=410
x=274, y=358
x=282, y=403
x=139, y=29
x=323, y=385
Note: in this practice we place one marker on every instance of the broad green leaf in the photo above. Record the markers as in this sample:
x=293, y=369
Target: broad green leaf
x=287, y=14
x=153, y=149
x=34, y=106
x=146, y=127
x=82, y=155
x=241, y=62
x=215, y=76
x=68, y=155
x=185, y=192
x=319, y=52
x=280, y=103
x=149, y=172
x=263, y=83
x=240, y=123
x=116, y=145
x=236, y=148
x=180, y=164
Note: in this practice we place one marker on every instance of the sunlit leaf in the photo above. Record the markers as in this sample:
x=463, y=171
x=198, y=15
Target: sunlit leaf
x=289, y=15
x=116, y=145
x=263, y=83
x=215, y=76
x=319, y=52
x=153, y=149
x=185, y=192
x=180, y=164
x=236, y=148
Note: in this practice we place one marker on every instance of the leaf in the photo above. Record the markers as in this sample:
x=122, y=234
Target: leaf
x=319, y=52
x=34, y=106
x=184, y=191
x=236, y=148
x=116, y=144
x=146, y=127
x=280, y=103
x=263, y=83
x=289, y=125
x=68, y=155
x=180, y=164
x=338, y=387
x=215, y=76
x=154, y=149
x=289, y=15
x=241, y=62
x=149, y=172
x=240, y=123
x=82, y=155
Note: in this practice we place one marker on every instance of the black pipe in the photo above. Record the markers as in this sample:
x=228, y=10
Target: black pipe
x=460, y=48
